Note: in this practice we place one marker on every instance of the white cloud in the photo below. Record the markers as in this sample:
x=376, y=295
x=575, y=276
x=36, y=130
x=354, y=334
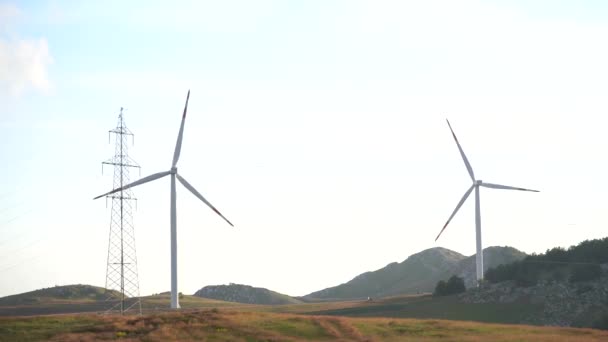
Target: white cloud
x=23, y=64
x=23, y=61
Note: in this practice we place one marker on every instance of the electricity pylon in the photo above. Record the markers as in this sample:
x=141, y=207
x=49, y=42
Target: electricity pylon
x=121, y=271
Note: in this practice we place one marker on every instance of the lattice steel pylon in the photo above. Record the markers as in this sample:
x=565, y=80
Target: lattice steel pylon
x=121, y=271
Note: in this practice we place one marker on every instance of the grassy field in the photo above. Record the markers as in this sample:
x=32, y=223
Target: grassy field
x=398, y=318
x=150, y=303
x=231, y=325
x=186, y=302
x=424, y=306
x=432, y=307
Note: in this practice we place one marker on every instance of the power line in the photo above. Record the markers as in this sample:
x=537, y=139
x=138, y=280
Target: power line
x=560, y=262
x=6, y=194
x=18, y=250
x=11, y=207
x=22, y=261
x=17, y=217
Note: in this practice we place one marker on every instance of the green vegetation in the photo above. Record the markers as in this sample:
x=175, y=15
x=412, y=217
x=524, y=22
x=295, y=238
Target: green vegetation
x=221, y=325
x=454, y=285
x=585, y=272
x=444, y=307
x=43, y=328
x=577, y=263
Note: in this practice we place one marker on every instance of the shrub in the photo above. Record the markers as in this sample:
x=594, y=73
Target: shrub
x=440, y=289
x=456, y=285
x=452, y=286
x=585, y=272
x=527, y=275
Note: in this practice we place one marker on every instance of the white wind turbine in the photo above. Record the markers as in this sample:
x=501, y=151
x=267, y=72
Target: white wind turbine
x=476, y=185
x=174, y=174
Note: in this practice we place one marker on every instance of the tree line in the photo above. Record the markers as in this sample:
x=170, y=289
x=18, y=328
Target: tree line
x=577, y=263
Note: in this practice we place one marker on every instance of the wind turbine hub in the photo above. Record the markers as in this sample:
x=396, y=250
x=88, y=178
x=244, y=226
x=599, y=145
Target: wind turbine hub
x=174, y=170
x=478, y=182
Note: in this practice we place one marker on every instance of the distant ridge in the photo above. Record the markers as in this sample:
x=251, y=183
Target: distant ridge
x=78, y=292
x=417, y=274
x=245, y=294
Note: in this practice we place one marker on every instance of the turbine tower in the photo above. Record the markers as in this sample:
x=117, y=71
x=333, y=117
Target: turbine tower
x=174, y=175
x=121, y=270
x=476, y=184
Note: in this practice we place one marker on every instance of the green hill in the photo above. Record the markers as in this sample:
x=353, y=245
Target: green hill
x=419, y=273
x=59, y=293
x=245, y=294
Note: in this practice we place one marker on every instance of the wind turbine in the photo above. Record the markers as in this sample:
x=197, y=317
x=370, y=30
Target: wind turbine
x=476, y=184
x=174, y=174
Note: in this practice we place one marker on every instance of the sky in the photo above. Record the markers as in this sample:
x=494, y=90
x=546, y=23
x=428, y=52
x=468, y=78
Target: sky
x=317, y=127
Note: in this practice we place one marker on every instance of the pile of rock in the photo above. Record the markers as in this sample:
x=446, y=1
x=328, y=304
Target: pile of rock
x=563, y=303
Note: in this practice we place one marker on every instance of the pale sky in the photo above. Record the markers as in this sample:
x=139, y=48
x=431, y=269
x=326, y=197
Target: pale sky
x=316, y=127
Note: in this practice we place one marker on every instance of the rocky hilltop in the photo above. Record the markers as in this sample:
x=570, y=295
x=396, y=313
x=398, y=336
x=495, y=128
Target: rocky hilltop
x=245, y=294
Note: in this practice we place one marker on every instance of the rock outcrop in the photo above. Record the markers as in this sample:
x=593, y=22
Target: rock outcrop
x=245, y=294
x=563, y=303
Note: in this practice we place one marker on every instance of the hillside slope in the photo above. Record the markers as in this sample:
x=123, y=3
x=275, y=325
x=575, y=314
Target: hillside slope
x=77, y=292
x=418, y=273
x=245, y=294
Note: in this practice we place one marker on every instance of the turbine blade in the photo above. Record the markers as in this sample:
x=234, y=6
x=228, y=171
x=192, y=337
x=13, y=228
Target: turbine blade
x=464, y=157
x=464, y=198
x=137, y=182
x=505, y=187
x=180, y=136
x=197, y=194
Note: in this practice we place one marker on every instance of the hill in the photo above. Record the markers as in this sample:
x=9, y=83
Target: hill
x=224, y=325
x=492, y=258
x=59, y=293
x=418, y=273
x=580, y=262
x=86, y=298
x=571, y=284
x=245, y=294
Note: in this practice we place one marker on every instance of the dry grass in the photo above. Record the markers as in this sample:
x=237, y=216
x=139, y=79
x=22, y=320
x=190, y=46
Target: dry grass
x=230, y=325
